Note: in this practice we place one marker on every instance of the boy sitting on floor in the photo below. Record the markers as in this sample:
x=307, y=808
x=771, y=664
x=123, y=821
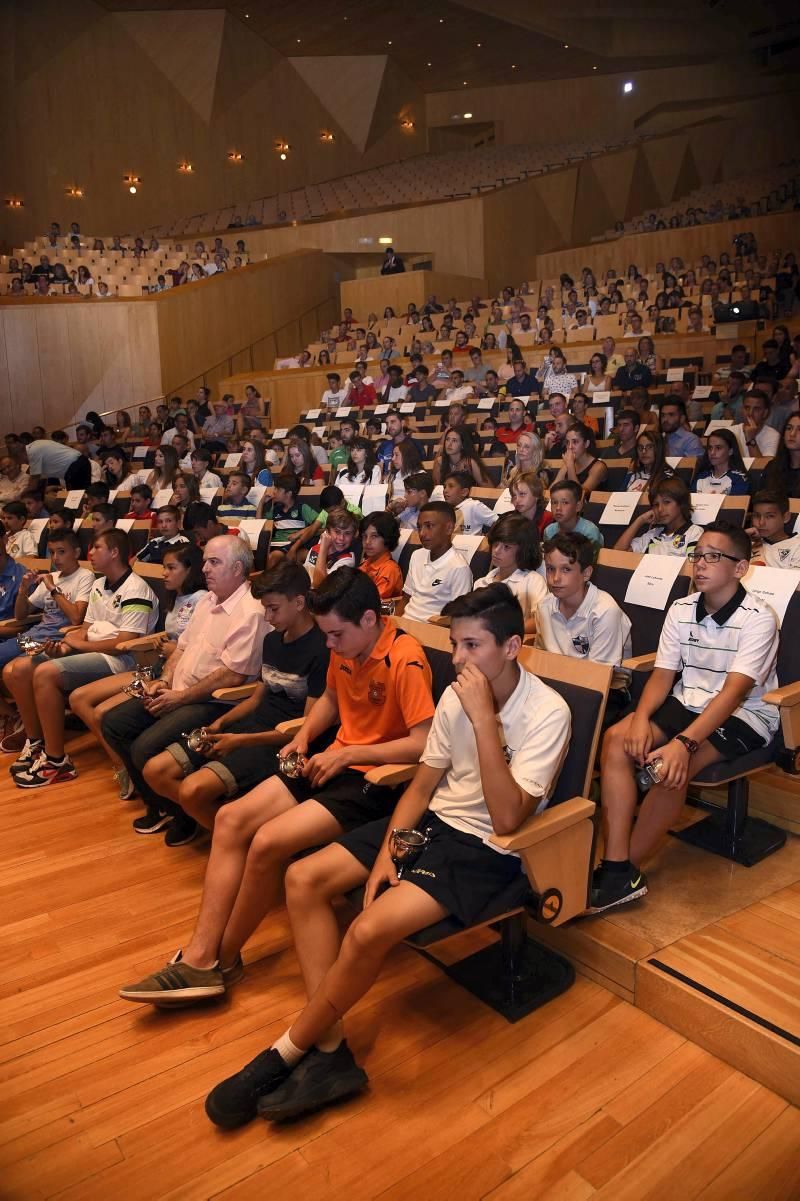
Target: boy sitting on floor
x=702, y=703
x=494, y=750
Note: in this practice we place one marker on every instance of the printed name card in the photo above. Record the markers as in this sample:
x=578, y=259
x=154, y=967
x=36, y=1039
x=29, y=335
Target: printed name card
x=702, y=392
x=620, y=508
x=705, y=507
x=250, y=528
x=233, y=459
x=487, y=402
x=319, y=430
x=341, y=412
x=352, y=492
x=281, y=433
x=74, y=498
x=652, y=580
x=125, y=523
x=600, y=398
x=717, y=425
x=674, y=375
x=112, y=495
x=36, y=527
x=374, y=499
x=405, y=534
x=441, y=403
x=162, y=497
x=673, y=460
x=379, y=409
x=467, y=544
x=208, y=492
x=313, y=414
x=773, y=585
x=504, y=503
x=407, y=406
x=140, y=452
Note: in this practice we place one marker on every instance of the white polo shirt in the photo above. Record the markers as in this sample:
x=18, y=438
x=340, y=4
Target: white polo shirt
x=740, y=637
x=785, y=553
x=75, y=587
x=527, y=586
x=598, y=629
x=129, y=605
x=657, y=541
x=430, y=585
x=475, y=515
x=21, y=544
x=534, y=729
x=767, y=440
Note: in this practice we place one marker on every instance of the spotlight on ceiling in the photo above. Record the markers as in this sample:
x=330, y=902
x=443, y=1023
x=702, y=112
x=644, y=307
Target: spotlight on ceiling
x=235, y=156
x=627, y=86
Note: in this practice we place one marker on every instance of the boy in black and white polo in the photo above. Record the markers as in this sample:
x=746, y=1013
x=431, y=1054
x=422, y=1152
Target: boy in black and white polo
x=498, y=738
x=437, y=573
x=724, y=643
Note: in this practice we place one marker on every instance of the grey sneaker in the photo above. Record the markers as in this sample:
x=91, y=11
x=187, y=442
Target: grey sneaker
x=124, y=783
x=233, y=974
x=176, y=984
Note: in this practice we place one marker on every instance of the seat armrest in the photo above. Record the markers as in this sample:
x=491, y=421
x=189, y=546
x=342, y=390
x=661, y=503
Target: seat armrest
x=439, y=620
x=291, y=727
x=13, y=626
x=230, y=695
x=540, y=826
x=786, y=697
x=640, y=662
x=788, y=701
x=391, y=774
x=148, y=642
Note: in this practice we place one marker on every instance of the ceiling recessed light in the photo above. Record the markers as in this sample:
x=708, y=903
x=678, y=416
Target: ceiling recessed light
x=388, y=43
x=566, y=45
x=283, y=156
x=594, y=68
x=132, y=189
x=627, y=86
x=385, y=241
x=467, y=116
x=465, y=83
x=430, y=64
x=479, y=44
x=513, y=66
x=298, y=41
x=441, y=20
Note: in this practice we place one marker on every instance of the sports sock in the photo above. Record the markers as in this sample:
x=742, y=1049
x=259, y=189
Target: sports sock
x=289, y=1053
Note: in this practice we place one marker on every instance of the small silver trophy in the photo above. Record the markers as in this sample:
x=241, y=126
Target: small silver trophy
x=198, y=740
x=388, y=608
x=136, y=688
x=292, y=765
x=28, y=646
x=649, y=774
x=406, y=846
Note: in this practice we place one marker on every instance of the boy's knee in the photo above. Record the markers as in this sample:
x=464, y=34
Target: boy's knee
x=303, y=878
x=365, y=936
x=46, y=675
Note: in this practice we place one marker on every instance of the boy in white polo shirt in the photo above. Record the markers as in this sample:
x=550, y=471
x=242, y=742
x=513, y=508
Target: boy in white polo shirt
x=472, y=516
x=771, y=547
x=702, y=703
x=437, y=573
x=494, y=751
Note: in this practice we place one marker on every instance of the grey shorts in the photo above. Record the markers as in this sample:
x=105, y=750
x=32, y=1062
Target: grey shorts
x=77, y=670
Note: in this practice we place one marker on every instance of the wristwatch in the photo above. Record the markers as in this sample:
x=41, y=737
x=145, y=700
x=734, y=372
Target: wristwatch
x=689, y=743
x=56, y=591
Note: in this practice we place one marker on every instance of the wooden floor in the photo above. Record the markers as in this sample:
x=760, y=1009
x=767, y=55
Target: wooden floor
x=588, y=1098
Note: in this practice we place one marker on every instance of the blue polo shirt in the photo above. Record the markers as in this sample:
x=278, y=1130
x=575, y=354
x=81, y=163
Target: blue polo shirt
x=683, y=444
x=527, y=386
x=10, y=579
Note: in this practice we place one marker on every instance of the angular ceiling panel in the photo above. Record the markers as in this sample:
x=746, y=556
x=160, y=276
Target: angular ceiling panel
x=185, y=46
x=245, y=61
x=348, y=86
x=664, y=157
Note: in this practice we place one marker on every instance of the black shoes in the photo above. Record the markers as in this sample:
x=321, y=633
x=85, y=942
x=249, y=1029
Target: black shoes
x=612, y=887
x=320, y=1079
x=182, y=829
x=234, y=1102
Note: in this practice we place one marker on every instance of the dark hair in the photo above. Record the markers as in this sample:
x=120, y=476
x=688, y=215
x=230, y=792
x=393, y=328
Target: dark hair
x=172, y=509
x=570, y=486
x=201, y=454
x=65, y=535
x=330, y=496
x=198, y=513
x=674, y=402
x=439, y=506
x=739, y=538
x=587, y=434
x=239, y=473
x=770, y=496
x=287, y=482
x=517, y=531
x=106, y=510
x=464, y=479
x=421, y=481
x=351, y=470
x=675, y=489
x=348, y=592
x=299, y=431
x=3, y=530
x=629, y=415
x=385, y=526
x=142, y=490
x=15, y=508
x=575, y=547
x=191, y=557
x=119, y=541
x=495, y=607
x=287, y=579
x=732, y=443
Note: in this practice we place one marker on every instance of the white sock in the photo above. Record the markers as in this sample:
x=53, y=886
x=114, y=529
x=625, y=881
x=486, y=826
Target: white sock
x=289, y=1053
x=331, y=1040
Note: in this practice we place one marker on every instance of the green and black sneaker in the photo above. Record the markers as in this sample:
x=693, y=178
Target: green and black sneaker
x=614, y=885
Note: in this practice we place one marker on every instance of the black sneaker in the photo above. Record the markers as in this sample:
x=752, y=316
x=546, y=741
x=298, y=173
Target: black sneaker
x=151, y=822
x=320, y=1079
x=182, y=829
x=612, y=888
x=234, y=1102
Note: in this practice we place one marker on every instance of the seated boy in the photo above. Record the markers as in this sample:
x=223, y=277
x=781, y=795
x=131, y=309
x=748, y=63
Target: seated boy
x=335, y=548
x=102, y=517
x=244, y=743
x=702, y=703
x=234, y=503
x=330, y=497
x=771, y=545
x=470, y=785
x=121, y=606
x=380, y=535
x=20, y=542
x=61, y=594
x=666, y=528
x=566, y=502
x=472, y=516
x=207, y=480
x=378, y=699
x=168, y=524
x=33, y=500
x=141, y=503
x=289, y=515
x=418, y=488
x=437, y=572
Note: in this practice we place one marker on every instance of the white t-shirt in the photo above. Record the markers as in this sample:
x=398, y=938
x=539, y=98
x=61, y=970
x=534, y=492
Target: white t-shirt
x=343, y=478
x=129, y=605
x=741, y=637
x=209, y=481
x=767, y=440
x=168, y=435
x=21, y=544
x=334, y=400
x=178, y=617
x=657, y=541
x=76, y=587
x=430, y=585
x=527, y=586
x=534, y=728
x=598, y=629
x=475, y=515
x=395, y=395
x=785, y=553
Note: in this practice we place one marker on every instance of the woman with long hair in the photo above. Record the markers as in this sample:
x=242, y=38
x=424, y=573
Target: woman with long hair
x=324, y=358
x=597, y=378
x=406, y=460
x=721, y=469
x=581, y=462
x=783, y=472
x=526, y=456
x=184, y=584
x=185, y=490
x=647, y=352
x=254, y=462
x=361, y=467
x=123, y=426
x=371, y=341
x=117, y=469
x=301, y=462
x=648, y=464
x=251, y=412
x=459, y=454
x=165, y=469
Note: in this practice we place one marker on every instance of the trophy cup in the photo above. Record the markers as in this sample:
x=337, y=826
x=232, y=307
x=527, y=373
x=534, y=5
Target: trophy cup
x=649, y=774
x=197, y=740
x=136, y=688
x=29, y=646
x=406, y=846
x=291, y=765
x=388, y=608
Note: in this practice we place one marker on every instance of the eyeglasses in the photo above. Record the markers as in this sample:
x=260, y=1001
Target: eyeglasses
x=710, y=556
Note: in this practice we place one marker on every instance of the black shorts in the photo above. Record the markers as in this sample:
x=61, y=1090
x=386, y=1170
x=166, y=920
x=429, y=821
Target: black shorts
x=458, y=870
x=248, y=766
x=732, y=739
x=348, y=797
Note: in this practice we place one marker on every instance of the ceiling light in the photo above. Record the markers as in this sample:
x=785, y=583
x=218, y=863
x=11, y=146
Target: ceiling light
x=513, y=66
x=75, y=193
x=627, y=86
x=467, y=116
x=132, y=189
x=185, y=168
x=478, y=44
x=388, y=43
x=594, y=68
x=406, y=123
x=430, y=64
x=235, y=156
x=385, y=241
x=14, y=204
x=465, y=83
x=326, y=136
x=283, y=157
x=566, y=45
x=131, y=179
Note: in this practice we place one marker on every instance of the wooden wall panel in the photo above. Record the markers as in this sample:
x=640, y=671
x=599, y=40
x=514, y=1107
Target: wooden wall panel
x=144, y=357
x=364, y=296
x=115, y=356
x=87, y=369
x=5, y=382
x=27, y=405
x=55, y=366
